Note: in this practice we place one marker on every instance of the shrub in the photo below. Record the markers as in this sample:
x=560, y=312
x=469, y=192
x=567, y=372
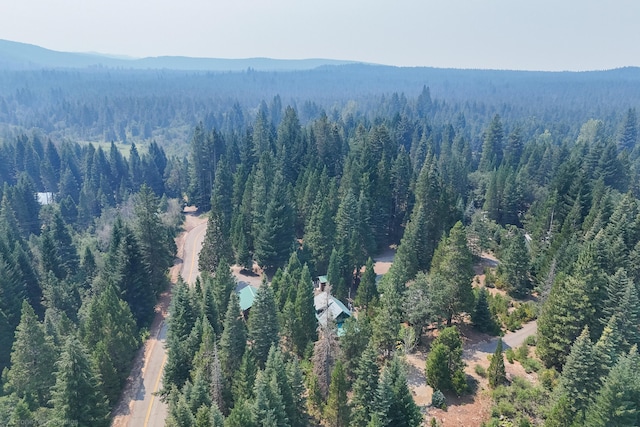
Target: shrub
x=489, y=277
x=459, y=383
x=438, y=400
x=549, y=378
x=522, y=353
x=480, y=370
x=531, y=365
x=506, y=408
x=523, y=422
x=530, y=340
x=510, y=355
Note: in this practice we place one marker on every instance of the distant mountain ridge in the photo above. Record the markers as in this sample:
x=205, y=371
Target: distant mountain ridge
x=23, y=56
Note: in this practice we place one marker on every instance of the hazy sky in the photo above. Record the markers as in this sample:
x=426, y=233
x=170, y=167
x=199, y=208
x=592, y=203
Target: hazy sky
x=503, y=34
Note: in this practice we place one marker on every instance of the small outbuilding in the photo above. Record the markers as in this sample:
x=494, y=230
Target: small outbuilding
x=321, y=282
x=246, y=295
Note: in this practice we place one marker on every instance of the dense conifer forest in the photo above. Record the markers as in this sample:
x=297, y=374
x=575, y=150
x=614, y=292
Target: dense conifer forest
x=542, y=175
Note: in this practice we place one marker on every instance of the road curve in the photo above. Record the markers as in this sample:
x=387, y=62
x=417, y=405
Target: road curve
x=148, y=410
x=192, y=246
x=510, y=339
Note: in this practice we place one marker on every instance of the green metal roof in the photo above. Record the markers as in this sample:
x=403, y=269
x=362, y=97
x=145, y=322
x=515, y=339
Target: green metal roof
x=246, y=296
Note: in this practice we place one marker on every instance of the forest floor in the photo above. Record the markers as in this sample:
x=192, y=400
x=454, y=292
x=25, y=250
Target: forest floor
x=471, y=409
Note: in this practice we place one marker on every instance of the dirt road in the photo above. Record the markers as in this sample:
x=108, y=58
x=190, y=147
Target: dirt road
x=510, y=340
x=139, y=406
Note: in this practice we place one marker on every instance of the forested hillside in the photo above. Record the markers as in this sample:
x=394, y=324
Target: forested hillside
x=321, y=186
x=561, y=213
x=124, y=105
x=80, y=276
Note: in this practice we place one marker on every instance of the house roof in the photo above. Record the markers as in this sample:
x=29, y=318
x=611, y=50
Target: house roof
x=246, y=294
x=45, y=198
x=323, y=279
x=328, y=305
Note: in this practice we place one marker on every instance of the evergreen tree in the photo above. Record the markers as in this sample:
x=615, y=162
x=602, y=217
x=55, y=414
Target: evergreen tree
x=306, y=323
x=578, y=375
x=21, y=415
x=6, y=340
x=410, y=256
x=128, y=270
x=561, y=319
x=618, y=401
x=452, y=272
x=77, y=394
x=437, y=367
x=263, y=331
x=202, y=167
x=367, y=293
x=66, y=253
x=209, y=303
x=407, y=412
x=221, y=196
x=25, y=205
x=386, y=324
x=364, y=387
x=319, y=232
x=629, y=314
x=417, y=304
x=156, y=242
x=513, y=149
x=629, y=131
x=561, y=414
x=233, y=340
x=298, y=390
x=276, y=368
x=180, y=414
x=609, y=347
x=216, y=245
x=11, y=295
x=32, y=360
x=223, y=285
x=244, y=379
x=514, y=268
x=337, y=411
x=268, y=410
x=275, y=238
x=481, y=316
x=218, y=387
x=110, y=325
x=241, y=415
x=179, y=330
x=395, y=405
x=444, y=365
x=492, y=146
x=497, y=374
x=356, y=335
x=335, y=274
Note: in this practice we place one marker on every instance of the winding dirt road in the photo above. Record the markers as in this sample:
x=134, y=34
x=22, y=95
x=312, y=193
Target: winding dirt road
x=139, y=406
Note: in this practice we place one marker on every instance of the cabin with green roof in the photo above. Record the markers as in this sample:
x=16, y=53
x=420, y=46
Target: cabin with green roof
x=246, y=295
x=329, y=307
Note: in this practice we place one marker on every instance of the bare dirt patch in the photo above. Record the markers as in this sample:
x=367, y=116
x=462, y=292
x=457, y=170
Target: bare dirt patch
x=384, y=260
x=472, y=409
x=254, y=278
